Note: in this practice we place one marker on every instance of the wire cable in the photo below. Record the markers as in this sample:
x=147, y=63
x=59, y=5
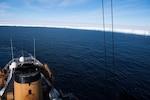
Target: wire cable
x=112, y=36
x=104, y=33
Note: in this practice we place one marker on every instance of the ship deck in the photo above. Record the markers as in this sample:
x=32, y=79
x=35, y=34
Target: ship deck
x=10, y=86
x=10, y=89
x=48, y=91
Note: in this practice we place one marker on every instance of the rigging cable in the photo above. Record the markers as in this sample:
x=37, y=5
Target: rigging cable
x=112, y=35
x=12, y=53
x=34, y=49
x=113, y=64
x=104, y=34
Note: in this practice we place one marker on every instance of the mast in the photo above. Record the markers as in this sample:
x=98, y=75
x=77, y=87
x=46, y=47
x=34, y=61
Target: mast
x=12, y=53
x=34, y=47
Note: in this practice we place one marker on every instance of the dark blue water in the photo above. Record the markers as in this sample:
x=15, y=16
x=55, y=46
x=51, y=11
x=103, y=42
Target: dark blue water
x=76, y=58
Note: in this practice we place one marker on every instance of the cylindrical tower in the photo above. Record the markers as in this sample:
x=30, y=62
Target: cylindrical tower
x=27, y=83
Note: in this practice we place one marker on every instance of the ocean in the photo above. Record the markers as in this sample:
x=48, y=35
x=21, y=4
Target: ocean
x=76, y=58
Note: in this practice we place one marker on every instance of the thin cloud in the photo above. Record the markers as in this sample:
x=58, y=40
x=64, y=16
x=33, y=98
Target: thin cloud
x=3, y=9
x=75, y=11
x=39, y=5
x=127, y=8
x=55, y=3
x=129, y=4
x=79, y=17
x=2, y=12
x=65, y=3
x=48, y=5
x=4, y=5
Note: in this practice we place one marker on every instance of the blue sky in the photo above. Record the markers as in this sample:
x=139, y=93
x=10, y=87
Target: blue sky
x=69, y=12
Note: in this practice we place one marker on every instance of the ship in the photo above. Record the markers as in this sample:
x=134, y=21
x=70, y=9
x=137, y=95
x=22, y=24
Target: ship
x=26, y=78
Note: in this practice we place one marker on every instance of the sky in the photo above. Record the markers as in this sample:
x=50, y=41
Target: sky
x=74, y=12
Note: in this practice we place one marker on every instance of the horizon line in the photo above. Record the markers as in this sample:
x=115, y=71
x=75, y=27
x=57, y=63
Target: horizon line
x=94, y=28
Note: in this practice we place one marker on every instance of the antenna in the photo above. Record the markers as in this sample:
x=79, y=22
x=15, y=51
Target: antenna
x=22, y=53
x=34, y=47
x=12, y=54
